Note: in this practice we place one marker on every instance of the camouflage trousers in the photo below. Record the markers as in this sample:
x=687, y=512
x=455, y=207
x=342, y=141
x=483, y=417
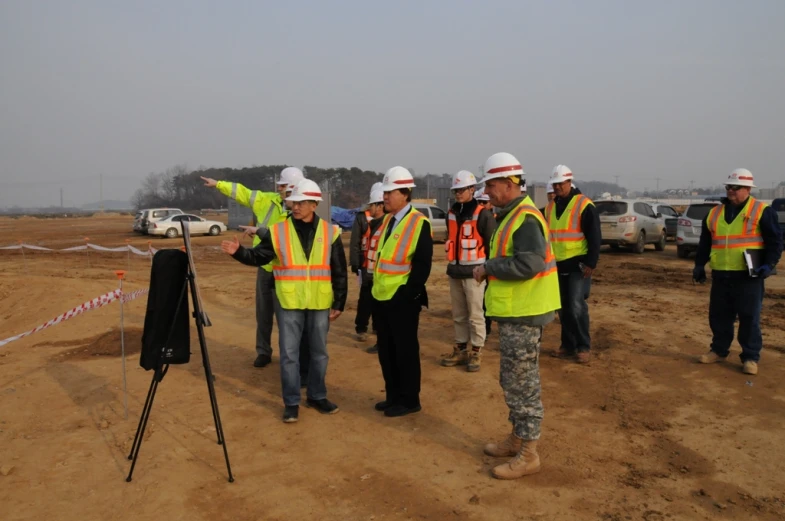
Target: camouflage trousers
x=520, y=377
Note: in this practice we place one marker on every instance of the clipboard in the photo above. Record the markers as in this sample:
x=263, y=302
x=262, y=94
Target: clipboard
x=753, y=260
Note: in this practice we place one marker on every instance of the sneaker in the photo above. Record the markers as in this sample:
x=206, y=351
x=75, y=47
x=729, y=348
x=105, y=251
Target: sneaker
x=372, y=350
x=475, y=360
x=459, y=356
x=583, y=357
x=262, y=361
x=290, y=413
x=324, y=405
x=711, y=357
x=750, y=367
x=401, y=410
x=361, y=337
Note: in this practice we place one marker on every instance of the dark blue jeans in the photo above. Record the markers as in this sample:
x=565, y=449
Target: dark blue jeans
x=574, y=314
x=731, y=298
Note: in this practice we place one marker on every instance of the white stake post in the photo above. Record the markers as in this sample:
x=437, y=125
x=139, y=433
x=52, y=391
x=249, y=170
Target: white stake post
x=24, y=259
x=128, y=247
x=150, y=251
x=120, y=274
x=87, y=250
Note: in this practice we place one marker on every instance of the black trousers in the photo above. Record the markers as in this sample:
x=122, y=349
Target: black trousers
x=399, y=349
x=364, y=308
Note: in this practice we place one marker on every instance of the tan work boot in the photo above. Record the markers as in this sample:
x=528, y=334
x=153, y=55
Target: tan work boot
x=711, y=357
x=583, y=357
x=750, y=367
x=458, y=357
x=509, y=447
x=475, y=360
x=361, y=337
x=526, y=462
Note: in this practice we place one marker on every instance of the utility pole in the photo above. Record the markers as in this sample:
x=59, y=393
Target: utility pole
x=101, y=189
x=657, y=197
x=617, y=180
x=61, y=198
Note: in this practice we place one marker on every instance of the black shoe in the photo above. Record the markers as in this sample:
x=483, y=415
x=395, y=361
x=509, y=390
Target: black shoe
x=324, y=405
x=383, y=405
x=372, y=350
x=262, y=360
x=291, y=413
x=401, y=410
x=303, y=381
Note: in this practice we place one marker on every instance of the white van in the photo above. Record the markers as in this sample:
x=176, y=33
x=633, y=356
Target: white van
x=152, y=215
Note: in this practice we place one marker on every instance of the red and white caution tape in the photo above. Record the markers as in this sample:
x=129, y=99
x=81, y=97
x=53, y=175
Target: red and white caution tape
x=97, y=302
x=135, y=251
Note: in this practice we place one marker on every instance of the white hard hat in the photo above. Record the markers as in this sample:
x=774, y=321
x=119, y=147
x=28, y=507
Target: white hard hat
x=501, y=165
x=376, y=186
x=741, y=177
x=480, y=195
x=561, y=173
x=377, y=196
x=549, y=188
x=305, y=190
x=397, y=177
x=290, y=175
x=463, y=179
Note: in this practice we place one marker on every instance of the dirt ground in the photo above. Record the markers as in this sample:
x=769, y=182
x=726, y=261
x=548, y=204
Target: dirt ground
x=643, y=432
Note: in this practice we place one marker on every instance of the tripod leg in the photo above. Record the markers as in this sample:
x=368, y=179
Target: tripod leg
x=143, y=420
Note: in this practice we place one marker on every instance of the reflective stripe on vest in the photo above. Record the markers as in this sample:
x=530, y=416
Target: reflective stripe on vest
x=365, y=240
x=471, y=249
x=566, y=236
x=728, y=241
x=302, y=283
x=393, y=257
x=516, y=298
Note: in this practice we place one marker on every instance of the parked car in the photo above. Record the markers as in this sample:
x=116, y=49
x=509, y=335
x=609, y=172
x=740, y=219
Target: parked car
x=689, y=227
x=438, y=218
x=151, y=215
x=630, y=223
x=137, y=226
x=670, y=216
x=171, y=226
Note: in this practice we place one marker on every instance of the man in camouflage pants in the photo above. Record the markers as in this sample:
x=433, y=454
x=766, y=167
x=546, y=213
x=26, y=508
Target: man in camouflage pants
x=522, y=295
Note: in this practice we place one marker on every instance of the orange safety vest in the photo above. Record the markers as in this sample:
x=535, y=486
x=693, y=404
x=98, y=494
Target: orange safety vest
x=470, y=246
x=365, y=240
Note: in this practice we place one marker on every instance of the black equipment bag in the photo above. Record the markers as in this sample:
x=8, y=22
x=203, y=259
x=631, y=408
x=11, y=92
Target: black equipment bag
x=167, y=334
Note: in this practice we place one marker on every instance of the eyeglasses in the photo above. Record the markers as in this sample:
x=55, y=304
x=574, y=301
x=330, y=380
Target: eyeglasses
x=733, y=188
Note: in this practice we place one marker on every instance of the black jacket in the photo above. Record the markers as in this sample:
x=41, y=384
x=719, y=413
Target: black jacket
x=486, y=225
x=264, y=252
x=769, y=229
x=590, y=224
x=359, y=226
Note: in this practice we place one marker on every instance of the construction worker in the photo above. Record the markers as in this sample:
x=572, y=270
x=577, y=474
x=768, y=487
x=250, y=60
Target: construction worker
x=483, y=200
x=310, y=286
x=362, y=229
x=740, y=224
x=576, y=239
x=401, y=252
x=268, y=209
x=469, y=231
x=550, y=195
x=523, y=293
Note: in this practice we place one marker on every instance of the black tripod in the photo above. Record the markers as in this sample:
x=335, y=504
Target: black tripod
x=161, y=369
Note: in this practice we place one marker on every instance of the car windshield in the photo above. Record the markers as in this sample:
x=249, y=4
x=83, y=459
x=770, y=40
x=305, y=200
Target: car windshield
x=699, y=211
x=611, y=208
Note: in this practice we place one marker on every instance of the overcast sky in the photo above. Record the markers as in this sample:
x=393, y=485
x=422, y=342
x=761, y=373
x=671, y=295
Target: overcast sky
x=681, y=90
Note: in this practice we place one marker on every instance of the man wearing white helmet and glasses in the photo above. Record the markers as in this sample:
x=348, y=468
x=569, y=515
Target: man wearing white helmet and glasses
x=576, y=239
x=365, y=224
x=268, y=209
x=739, y=227
x=401, y=251
x=469, y=231
x=310, y=289
x=522, y=295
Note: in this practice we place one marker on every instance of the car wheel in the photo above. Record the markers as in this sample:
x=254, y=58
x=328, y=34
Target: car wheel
x=640, y=242
x=660, y=245
x=682, y=252
x=215, y=230
x=171, y=233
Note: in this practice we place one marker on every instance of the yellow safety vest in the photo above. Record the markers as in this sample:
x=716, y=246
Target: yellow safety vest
x=302, y=283
x=567, y=237
x=392, y=259
x=728, y=241
x=267, y=207
x=521, y=298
